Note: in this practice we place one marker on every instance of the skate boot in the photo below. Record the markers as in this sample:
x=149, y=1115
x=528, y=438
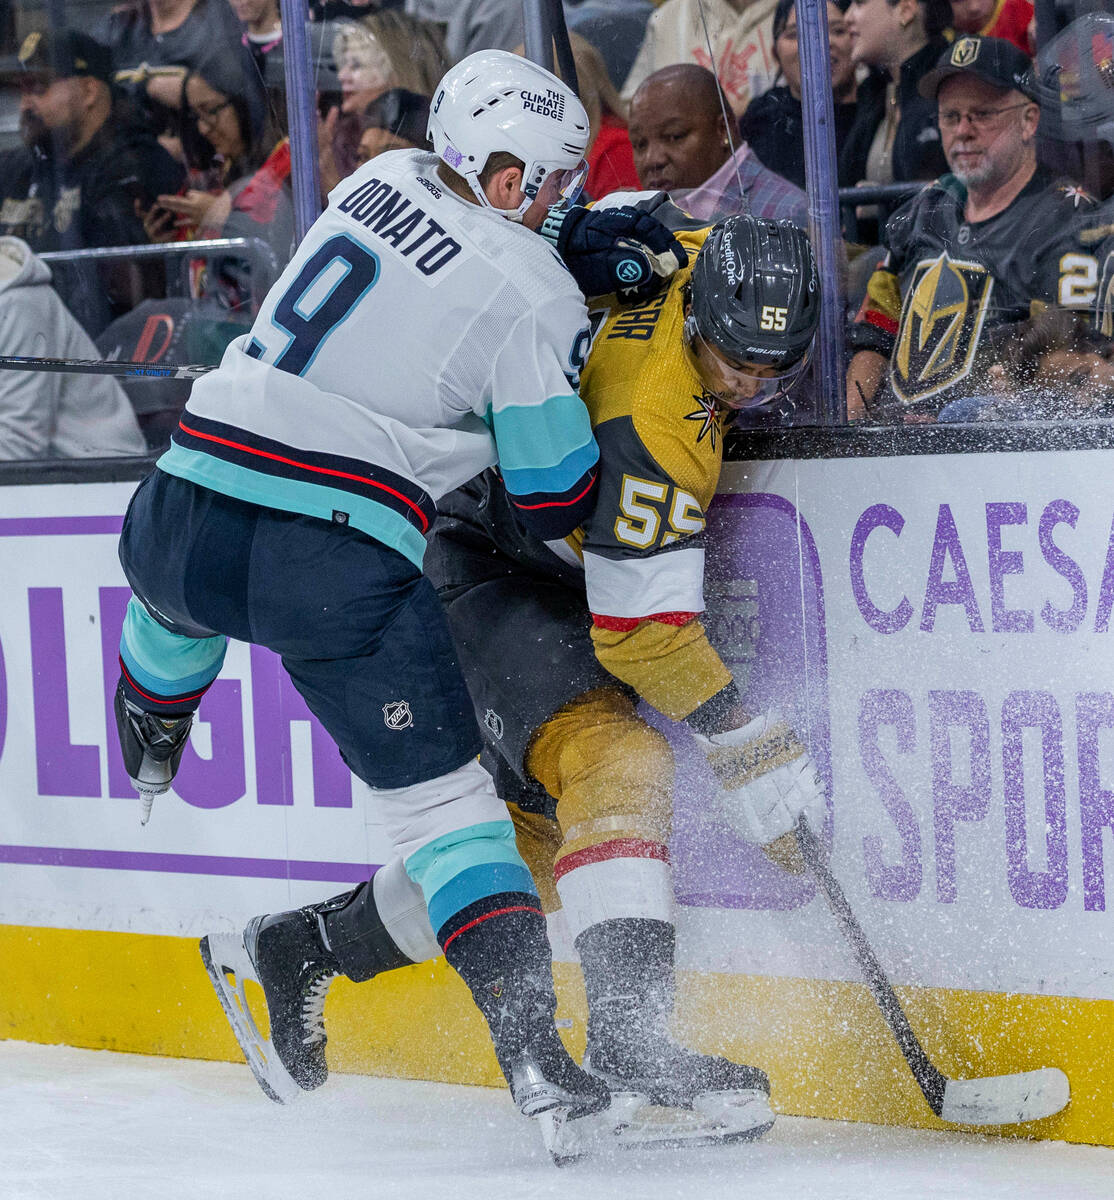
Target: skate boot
x=286, y=955
x=541, y=1075
x=152, y=747
x=628, y=973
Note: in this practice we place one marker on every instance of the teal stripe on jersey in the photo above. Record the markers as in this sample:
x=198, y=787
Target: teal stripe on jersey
x=541, y=436
x=554, y=480
x=483, y=845
x=477, y=883
x=295, y=495
x=165, y=663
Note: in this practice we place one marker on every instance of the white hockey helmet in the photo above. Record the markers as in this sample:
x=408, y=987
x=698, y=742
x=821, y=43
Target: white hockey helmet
x=497, y=101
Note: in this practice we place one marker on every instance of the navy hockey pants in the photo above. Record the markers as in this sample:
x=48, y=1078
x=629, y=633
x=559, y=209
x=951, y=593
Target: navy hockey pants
x=357, y=625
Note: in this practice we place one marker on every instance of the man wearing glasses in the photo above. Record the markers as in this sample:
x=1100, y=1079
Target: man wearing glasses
x=977, y=249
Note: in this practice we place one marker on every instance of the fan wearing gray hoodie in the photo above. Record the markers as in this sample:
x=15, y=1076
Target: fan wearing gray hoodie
x=46, y=415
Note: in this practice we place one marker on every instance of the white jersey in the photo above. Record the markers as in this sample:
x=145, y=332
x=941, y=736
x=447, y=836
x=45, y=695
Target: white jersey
x=413, y=340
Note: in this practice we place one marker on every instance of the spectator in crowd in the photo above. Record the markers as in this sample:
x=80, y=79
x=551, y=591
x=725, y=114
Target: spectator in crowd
x=85, y=169
x=241, y=133
x=616, y=29
x=739, y=31
x=154, y=42
x=397, y=120
x=894, y=137
x=472, y=25
x=773, y=124
x=979, y=248
x=227, y=134
x=262, y=30
x=383, y=50
x=681, y=146
x=1052, y=366
x=1009, y=19
x=49, y=415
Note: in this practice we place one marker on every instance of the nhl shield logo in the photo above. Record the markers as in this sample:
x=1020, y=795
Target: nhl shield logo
x=964, y=52
x=493, y=722
x=397, y=715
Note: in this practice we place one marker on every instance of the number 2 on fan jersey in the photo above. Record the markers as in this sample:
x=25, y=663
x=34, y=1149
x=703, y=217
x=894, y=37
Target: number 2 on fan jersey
x=330, y=285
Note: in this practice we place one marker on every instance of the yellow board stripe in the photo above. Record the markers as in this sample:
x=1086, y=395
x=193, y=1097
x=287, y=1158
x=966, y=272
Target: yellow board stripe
x=823, y=1043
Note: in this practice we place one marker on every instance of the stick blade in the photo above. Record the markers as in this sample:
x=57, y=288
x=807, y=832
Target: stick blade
x=1006, y=1099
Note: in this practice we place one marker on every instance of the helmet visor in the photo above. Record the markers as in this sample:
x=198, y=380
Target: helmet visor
x=739, y=385
x=565, y=186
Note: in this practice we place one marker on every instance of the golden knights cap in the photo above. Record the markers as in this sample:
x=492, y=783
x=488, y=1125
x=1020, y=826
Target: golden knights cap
x=993, y=60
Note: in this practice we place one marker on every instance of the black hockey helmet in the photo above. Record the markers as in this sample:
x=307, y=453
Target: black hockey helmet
x=755, y=294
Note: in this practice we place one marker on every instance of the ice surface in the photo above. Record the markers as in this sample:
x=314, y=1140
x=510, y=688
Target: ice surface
x=88, y=1125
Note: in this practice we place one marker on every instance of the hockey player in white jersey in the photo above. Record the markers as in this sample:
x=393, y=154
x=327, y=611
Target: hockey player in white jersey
x=421, y=334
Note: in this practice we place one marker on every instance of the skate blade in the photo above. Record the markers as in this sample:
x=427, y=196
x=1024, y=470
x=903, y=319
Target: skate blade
x=229, y=966
x=715, y=1118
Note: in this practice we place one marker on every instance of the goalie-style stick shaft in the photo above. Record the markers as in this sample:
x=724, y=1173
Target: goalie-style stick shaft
x=96, y=366
x=929, y=1079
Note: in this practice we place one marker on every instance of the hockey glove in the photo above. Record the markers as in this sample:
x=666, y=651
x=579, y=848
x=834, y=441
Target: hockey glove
x=618, y=250
x=768, y=780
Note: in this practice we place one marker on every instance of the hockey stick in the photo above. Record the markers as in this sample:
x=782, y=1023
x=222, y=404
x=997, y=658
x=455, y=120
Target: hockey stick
x=990, y=1100
x=97, y=366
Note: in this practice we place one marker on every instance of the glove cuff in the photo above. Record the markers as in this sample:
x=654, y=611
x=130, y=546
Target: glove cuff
x=742, y=755
x=551, y=226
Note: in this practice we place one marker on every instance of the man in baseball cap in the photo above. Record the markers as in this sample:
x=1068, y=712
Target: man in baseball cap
x=979, y=248
x=993, y=60
x=86, y=170
x=65, y=55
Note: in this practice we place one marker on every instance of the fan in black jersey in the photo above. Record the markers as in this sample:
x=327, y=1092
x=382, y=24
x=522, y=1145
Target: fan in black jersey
x=988, y=244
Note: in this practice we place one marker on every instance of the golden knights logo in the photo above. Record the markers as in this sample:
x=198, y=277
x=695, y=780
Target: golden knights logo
x=941, y=320
x=964, y=52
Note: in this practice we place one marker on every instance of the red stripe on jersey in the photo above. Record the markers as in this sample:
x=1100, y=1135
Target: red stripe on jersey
x=625, y=624
x=606, y=851
x=159, y=699
x=499, y=912
x=293, y=462
x=873, y=317
x=556, y=503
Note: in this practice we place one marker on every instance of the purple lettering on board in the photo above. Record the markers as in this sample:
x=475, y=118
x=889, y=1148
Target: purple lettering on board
x=276, y=702
x=1062, y=512
x=1094, y=712
x=940, y=591
x=952, y=801
x=878, y=710
x=3, y=701
x=1106, y=589
x=1001, y=563
x=765, y=597
x=220, y=779
x=113, y=603
x=63, y=769
x=877, y=516
x=1047, y=888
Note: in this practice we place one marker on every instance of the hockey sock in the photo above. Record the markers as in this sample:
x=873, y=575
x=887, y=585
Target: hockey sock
x=628, y=977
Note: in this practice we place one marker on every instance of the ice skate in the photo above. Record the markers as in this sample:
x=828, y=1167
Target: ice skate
x=545, y=1083
x=152, y=747
x=285, y=955
x=686, y=1097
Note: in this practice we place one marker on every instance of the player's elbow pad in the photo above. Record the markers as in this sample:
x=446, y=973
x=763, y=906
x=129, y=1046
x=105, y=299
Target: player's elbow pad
x=550, y=517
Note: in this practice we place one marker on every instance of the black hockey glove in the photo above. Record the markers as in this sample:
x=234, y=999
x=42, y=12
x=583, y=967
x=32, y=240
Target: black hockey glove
x=619, y=250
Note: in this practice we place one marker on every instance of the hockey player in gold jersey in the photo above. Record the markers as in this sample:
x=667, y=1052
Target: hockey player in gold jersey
x=559, y=641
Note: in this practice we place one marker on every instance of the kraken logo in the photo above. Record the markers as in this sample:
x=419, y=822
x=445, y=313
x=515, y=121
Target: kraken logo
x=940, y=325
